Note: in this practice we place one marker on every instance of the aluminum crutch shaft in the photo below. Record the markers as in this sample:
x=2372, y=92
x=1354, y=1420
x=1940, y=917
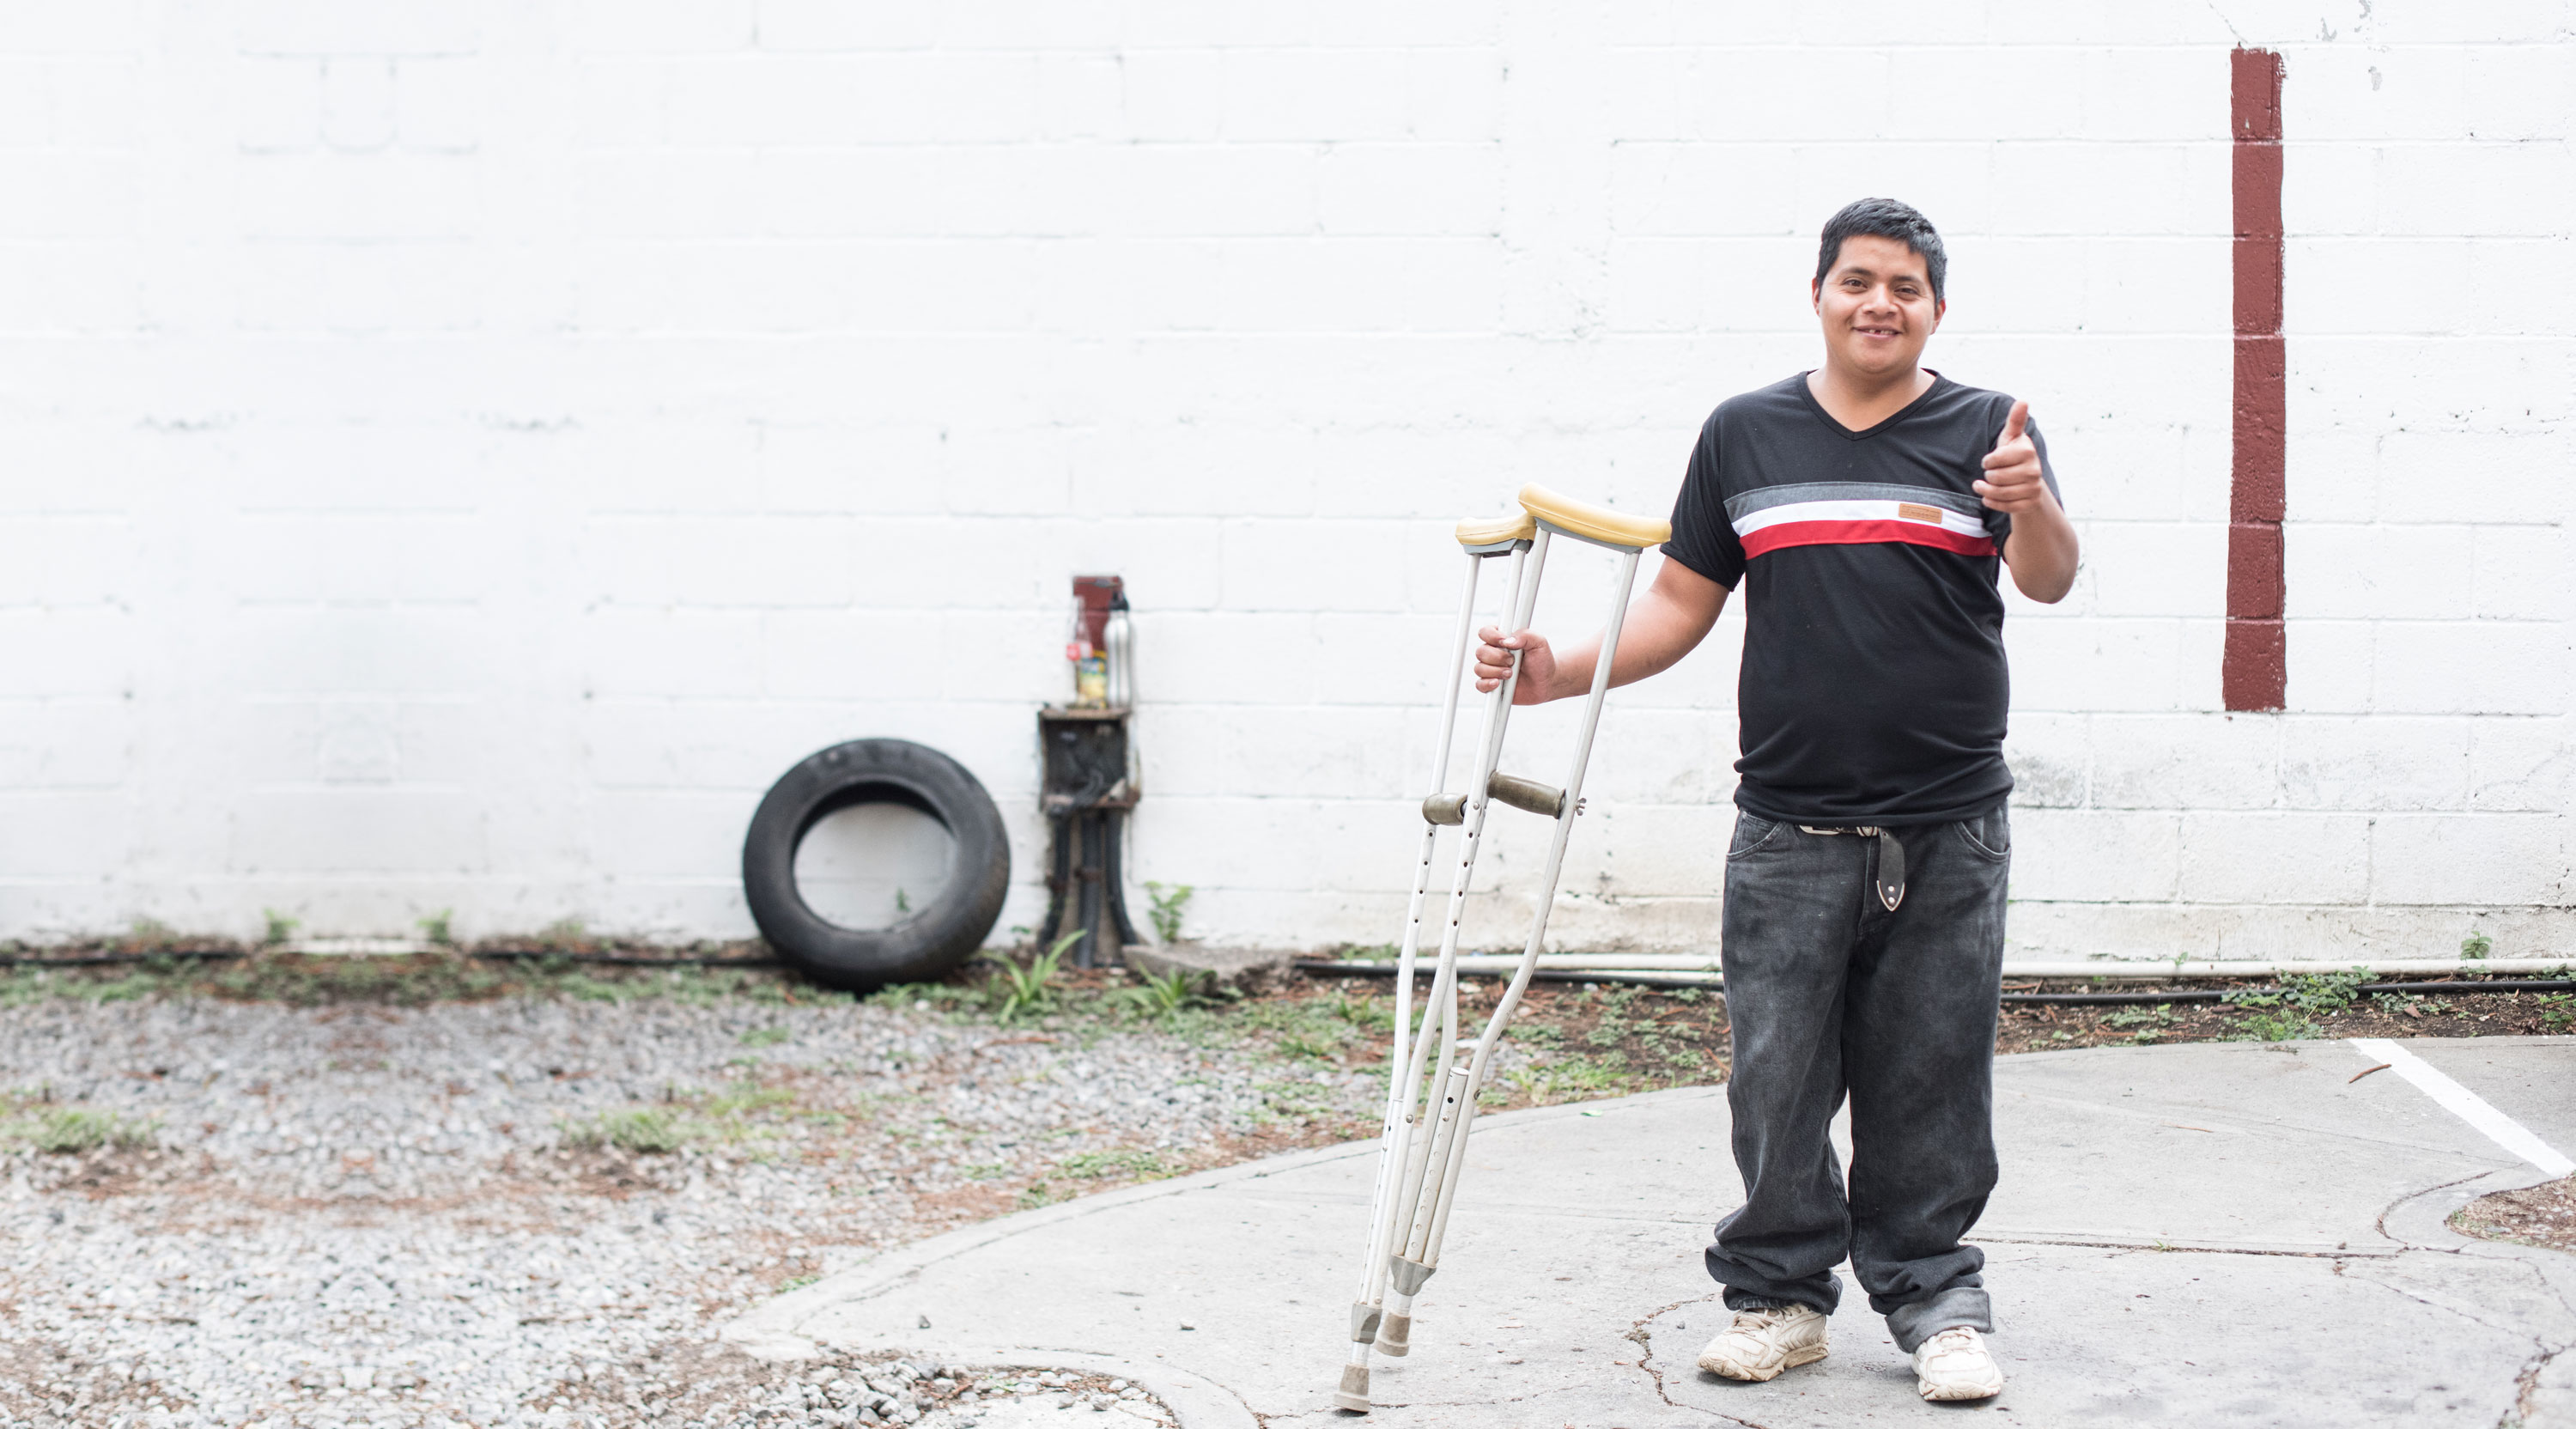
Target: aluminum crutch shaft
x=1504, y=1007
x=1478, y=540
x=1432, y=1092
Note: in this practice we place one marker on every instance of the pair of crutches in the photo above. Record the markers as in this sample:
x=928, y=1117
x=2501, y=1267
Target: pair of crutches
x=1431, y=1094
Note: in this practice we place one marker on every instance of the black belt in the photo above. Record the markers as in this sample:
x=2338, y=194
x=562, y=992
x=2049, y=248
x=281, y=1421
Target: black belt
x=1890, y=883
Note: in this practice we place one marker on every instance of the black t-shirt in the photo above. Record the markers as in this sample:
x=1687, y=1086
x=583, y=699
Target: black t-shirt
x=1874, y=688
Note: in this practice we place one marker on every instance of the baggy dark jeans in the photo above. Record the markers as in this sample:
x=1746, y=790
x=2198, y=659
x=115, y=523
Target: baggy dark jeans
x=1829, y=993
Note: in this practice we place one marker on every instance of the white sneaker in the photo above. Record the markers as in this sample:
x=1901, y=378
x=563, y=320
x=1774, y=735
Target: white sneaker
x=1761, y=1343
x=1954, y=1365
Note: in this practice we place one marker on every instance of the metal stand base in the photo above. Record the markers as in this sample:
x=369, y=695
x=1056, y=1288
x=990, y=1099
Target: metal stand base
x=1087, y=794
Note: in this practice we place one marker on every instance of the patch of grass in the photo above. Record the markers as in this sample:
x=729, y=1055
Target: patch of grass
x=1040, y=1193
x=404, y=980
x=938, y=994
x=1166, y=997
x=2143, y=1024
x=2290, y=1011
x=986, y=1171
x=648, y=1131
x=1117, y=1165
x=765, y=1036
x=71, y=1131
x=1321, y=1029
x=1576, y=1078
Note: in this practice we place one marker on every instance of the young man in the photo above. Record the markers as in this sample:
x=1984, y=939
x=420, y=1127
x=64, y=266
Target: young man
x=1865, y=504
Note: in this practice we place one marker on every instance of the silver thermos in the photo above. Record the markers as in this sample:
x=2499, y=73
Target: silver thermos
x=1118, y=642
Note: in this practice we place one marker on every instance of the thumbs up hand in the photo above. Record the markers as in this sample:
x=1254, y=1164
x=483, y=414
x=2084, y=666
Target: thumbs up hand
x=2012, y=483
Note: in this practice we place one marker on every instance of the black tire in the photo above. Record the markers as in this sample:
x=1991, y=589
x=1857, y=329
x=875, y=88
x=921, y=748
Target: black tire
x=930, y=942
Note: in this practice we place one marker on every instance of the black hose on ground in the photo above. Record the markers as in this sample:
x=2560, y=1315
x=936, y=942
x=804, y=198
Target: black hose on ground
x=101, y=960
x=630, y=960
x=1324, y=967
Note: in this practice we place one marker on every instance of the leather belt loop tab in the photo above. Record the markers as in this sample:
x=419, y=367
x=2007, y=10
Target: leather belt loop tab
x=1891, y=869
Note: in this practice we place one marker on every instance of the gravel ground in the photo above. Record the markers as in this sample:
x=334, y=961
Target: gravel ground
x=2542, y=1215
x=535, y=1210
x=426, y=1192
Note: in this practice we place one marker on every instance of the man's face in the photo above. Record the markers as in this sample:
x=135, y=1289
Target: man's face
x=1877, y=307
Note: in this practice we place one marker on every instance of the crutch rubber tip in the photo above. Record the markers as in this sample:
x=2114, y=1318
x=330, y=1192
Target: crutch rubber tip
x=1353, y=1395
x=1394, y=1335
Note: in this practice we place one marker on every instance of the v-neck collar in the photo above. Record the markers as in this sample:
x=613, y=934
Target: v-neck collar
x=1808, y=395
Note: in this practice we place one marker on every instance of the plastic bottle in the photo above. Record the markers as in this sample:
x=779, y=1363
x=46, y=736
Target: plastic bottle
x=1090, y=668
x=1119, y=638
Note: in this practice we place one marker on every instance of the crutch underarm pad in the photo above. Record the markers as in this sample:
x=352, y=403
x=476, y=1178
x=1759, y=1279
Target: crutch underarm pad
x=1594, y=523
x=1496, y=530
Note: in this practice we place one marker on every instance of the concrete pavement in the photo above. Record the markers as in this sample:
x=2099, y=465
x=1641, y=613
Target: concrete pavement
x=2231, y=1234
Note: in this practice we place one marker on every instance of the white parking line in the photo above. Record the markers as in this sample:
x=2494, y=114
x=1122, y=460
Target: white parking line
x=2497, y=1127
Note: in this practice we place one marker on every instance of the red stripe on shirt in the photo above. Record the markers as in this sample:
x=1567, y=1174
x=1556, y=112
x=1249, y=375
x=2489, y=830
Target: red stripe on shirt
x=1862, y=533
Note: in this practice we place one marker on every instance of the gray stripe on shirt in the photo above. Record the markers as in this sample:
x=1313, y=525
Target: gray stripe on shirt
x=1764, y=498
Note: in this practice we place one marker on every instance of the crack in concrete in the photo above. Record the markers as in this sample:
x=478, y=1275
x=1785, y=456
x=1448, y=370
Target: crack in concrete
x=2421, y=1298
x=2379, y=1222
x=1645, y=1340
x=2527, y=1382
x=2525, y=1386
x=2152, y=1249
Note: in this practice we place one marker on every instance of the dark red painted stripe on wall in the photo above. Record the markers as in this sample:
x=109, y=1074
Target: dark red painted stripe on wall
x=2254, y=672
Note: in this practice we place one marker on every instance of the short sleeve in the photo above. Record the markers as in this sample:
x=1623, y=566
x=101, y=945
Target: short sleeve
x=1999, y=525
x=1703, y=539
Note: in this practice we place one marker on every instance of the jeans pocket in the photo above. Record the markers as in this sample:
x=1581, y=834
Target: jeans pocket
x=1752, y=832
x=1988, y=835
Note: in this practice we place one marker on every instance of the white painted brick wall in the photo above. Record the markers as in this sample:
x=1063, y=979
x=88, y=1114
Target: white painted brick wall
x=455, y=458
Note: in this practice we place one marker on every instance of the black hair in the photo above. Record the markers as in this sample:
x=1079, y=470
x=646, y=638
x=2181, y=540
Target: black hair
x=1885, y=218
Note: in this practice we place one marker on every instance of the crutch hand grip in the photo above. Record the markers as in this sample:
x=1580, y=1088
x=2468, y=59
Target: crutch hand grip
x=1545, y=800
x=1600, y=524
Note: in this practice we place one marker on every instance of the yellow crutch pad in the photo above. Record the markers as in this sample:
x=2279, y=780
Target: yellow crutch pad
x=1594, y=523
x=1477, y=531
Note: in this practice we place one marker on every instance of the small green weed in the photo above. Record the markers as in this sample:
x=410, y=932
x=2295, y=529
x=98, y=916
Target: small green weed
x=1040, y=1193
x=1169, y=995
x=765, y=1036
x=2477, y=946
x=440, y=927
x=280, y=927
x=1169, y=904
x=1028, y=989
